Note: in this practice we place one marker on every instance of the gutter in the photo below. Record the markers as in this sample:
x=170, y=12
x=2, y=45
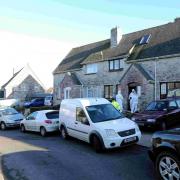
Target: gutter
x=153, y=58
x=61, y=72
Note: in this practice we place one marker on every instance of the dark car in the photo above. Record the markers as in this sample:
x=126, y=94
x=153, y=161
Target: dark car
x=34, y=103
x=159, y=114
x=165, y=154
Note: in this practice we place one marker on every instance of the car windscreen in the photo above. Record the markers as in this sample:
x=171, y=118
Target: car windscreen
x=103, y=112
x=7, y=112
x=157, y=106
x=52, y=115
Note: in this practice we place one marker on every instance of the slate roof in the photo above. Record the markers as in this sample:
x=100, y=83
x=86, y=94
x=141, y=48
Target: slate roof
x=15, y=74
x=77, y=55
x=164, y=40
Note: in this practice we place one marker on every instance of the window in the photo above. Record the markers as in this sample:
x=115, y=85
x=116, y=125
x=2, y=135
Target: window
x=178, y=103
x=108, y=91
x=145, y=39
x=115, y=65
x=103, y=112
x=67, y=93
x=81, y=116
x=168, y=89
x=172, y=104
x=91, y=68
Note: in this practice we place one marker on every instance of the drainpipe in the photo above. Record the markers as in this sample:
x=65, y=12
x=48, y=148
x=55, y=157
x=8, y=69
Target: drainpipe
x=155, y=78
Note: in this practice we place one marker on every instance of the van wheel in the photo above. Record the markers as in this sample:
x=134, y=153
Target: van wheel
x=64, y=133
x=97, y=144
x=23, y=129
x=43, y=131
x=3, y=126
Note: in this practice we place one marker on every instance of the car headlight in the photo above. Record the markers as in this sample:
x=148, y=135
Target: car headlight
x=137, y=128
x=111, y=132
x=151, y=120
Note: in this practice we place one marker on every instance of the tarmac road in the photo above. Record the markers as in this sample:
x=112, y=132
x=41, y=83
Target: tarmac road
x=31, y=157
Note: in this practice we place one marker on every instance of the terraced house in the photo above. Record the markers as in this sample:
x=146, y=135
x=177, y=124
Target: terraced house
x=146, y=60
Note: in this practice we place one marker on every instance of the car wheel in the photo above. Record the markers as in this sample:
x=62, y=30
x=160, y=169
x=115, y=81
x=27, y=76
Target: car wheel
x=168, y=166
x=23, y=129
x=163, y=126
x=97, y=144
x=43, y=131
x=64, y=133
x=3, y=126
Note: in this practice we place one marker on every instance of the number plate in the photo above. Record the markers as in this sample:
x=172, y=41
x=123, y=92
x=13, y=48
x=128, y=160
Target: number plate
x=130, y=139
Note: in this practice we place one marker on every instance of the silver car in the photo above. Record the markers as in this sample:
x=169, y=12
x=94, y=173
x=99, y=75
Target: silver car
x=9, y=117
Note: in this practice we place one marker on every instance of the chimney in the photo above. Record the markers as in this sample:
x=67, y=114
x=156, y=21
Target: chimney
x=116, y=35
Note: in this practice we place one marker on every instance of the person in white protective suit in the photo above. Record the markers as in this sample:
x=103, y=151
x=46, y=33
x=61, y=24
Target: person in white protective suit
x=119, y=99
x=133, y=97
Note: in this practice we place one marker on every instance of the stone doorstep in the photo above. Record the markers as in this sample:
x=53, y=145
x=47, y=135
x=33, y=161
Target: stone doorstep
x=1, y=173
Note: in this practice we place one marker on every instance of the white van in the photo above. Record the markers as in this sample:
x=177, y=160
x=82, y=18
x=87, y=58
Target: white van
x=96, y=121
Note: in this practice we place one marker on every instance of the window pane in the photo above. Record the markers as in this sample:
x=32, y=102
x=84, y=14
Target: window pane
x=177, y=85
x=170, y=86
x=80, y=114
x=163, y=88
x=91, y=68
x=116, y=64
x=111, y=65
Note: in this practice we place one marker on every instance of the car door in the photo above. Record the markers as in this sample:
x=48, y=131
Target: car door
x=30, y=123
x=173, y=112
x=82, y=125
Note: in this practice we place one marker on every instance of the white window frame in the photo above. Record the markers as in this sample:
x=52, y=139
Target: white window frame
x=91, y=68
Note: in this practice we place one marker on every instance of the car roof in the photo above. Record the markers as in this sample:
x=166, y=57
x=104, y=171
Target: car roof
x=86, y=101
x=46, y=111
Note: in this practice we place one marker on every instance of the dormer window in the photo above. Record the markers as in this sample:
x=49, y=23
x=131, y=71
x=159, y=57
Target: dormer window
x=91, y=68
x=145, y=39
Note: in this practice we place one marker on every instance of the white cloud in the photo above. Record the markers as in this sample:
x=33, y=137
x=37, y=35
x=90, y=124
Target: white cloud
x=42, y=54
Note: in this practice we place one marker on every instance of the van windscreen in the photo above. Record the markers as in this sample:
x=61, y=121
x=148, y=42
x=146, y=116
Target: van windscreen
x=103, y=112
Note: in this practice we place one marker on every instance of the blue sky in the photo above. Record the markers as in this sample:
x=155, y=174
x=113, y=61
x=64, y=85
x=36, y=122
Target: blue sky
x=74, y=22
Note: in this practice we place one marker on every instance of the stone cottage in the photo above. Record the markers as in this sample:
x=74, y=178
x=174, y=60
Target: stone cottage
x=22, y=84
x=146, y=60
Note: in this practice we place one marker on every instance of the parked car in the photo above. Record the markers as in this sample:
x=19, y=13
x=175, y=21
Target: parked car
x=48, y=101
x=165, y=154
x=96, y=121
x=160, y=114
x=34, y=103
x=9, y=117
x=41, y=121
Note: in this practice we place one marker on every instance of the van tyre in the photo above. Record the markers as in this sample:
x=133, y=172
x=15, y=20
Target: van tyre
x=167, y=166
x=96, y=143
x=23, y=129
x=64, y=133
x=43, y=131
x=3, y=126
